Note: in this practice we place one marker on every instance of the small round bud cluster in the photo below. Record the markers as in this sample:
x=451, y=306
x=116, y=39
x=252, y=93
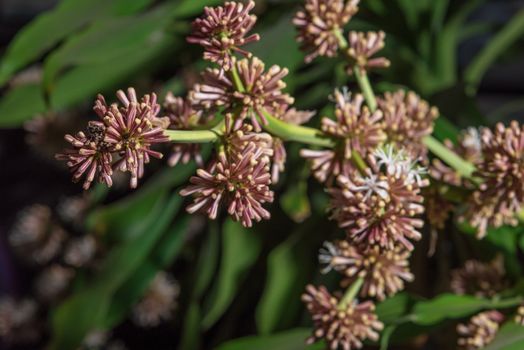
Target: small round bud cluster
x=320, y=25
x=361, y=49
x=346, y=326
x=480, y=330
x=125, y=133
x=479, y=278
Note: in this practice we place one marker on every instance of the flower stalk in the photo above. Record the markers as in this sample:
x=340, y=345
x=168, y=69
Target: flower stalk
x=351, y=293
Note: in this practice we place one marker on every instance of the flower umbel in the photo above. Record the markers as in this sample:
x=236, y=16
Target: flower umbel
x=479, y=278
x=407, y=119
x=320, y=25
x=239, y=180
x=261, y=91
x=361, y=49
x=381, y=207
x=480, y=330
x=384, y=271
x=347, y=328
x=222, y=31
x=355, y=129
x=501, y=194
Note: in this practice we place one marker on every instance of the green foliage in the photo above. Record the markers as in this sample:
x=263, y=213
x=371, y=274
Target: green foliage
x=289, y=340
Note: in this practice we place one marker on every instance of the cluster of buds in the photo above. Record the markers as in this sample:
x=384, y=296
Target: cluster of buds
x=121, y=140
x=480, y=330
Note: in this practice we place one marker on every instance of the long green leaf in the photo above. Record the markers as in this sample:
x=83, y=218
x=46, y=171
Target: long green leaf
x=20, y=104
x=509, y=337
x=240, y=248
x=511, y=32
x=289, y=340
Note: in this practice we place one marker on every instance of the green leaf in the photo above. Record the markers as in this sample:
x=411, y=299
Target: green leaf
x=53, y=26
x=506, y=37
x=132, y=290
x=188, y=8
x=122, y=219
x=445, y=130
x=20, y=104
x=120, y=265
x=289, y=340
x=207, y=262
x=451, y=306
x=295, y=202
x=191, y=336
x=509, y=337
x=240, y=249
x=95, y=46
x=392, y=309
x=285, y=283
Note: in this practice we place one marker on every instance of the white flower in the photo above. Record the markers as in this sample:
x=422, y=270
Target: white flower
x=331, y=256
x=372, y=184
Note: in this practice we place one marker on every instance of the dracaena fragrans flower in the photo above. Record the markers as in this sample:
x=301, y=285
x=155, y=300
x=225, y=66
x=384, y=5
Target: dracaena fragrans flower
x=18, y=321
x=381, y=207
x=361, y=49
x=261, y=91
x=384, y=271
x=53, y=282
x=36, y=236
x=501, y=194
x=354, y=129
x=222, y=31
x=479, y=278
x=480, y=330
x=519, y=317
x=80, y=251
x=90, y=156
x=320, y=25
x=344, y=327
x=407, y=120
x=158, y=303
x=131, y=131
x=182, y=116
x=240, y=180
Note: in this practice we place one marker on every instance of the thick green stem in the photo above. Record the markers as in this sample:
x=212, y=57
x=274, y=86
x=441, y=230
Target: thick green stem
x=464, y=168
x=192, y=136
x=351, y=293
x=291, y=132
x=359, y=162
x=236, y=80
x=342, y=42
x=365, y=87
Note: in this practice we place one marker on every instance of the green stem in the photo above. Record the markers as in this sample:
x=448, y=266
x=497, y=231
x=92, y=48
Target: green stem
x=365, y=87
x=291, y=132
x=359, y=162
x=520, y=215
x=463, y=167
x=351, y=293
x=236, y=80
x=192, y=136
x=342, y=42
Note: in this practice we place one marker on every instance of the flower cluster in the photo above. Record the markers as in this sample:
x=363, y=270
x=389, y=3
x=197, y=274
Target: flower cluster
x=347, y=326
x=407, y=119
x=355, y=129
x=480, y=330
x=384, y=271
x=248, y=91
x=319, y=26
x=501, y=170
x=125, y=133
x=222, y=30
x=381, y=206
x=361, y=49
x=480, y=279
x=158, y=303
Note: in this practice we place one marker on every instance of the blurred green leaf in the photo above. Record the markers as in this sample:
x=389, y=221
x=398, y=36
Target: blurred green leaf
x=451, y=306
x=191, y=334
x=53, y=26
x=207, y=262
x=289, y=340
x=19, y=104
x=92, y=302
x=509, y=337
x=240, y=249
x=285, y=282
x=445, y=130
x=95, y=46
x=186, y=8
x=511, y=32
x=165, y=251
x=295, y=202
x=392, y=309
x=122, y=219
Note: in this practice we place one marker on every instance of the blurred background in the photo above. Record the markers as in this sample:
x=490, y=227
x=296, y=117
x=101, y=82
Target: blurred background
x=94, y=258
